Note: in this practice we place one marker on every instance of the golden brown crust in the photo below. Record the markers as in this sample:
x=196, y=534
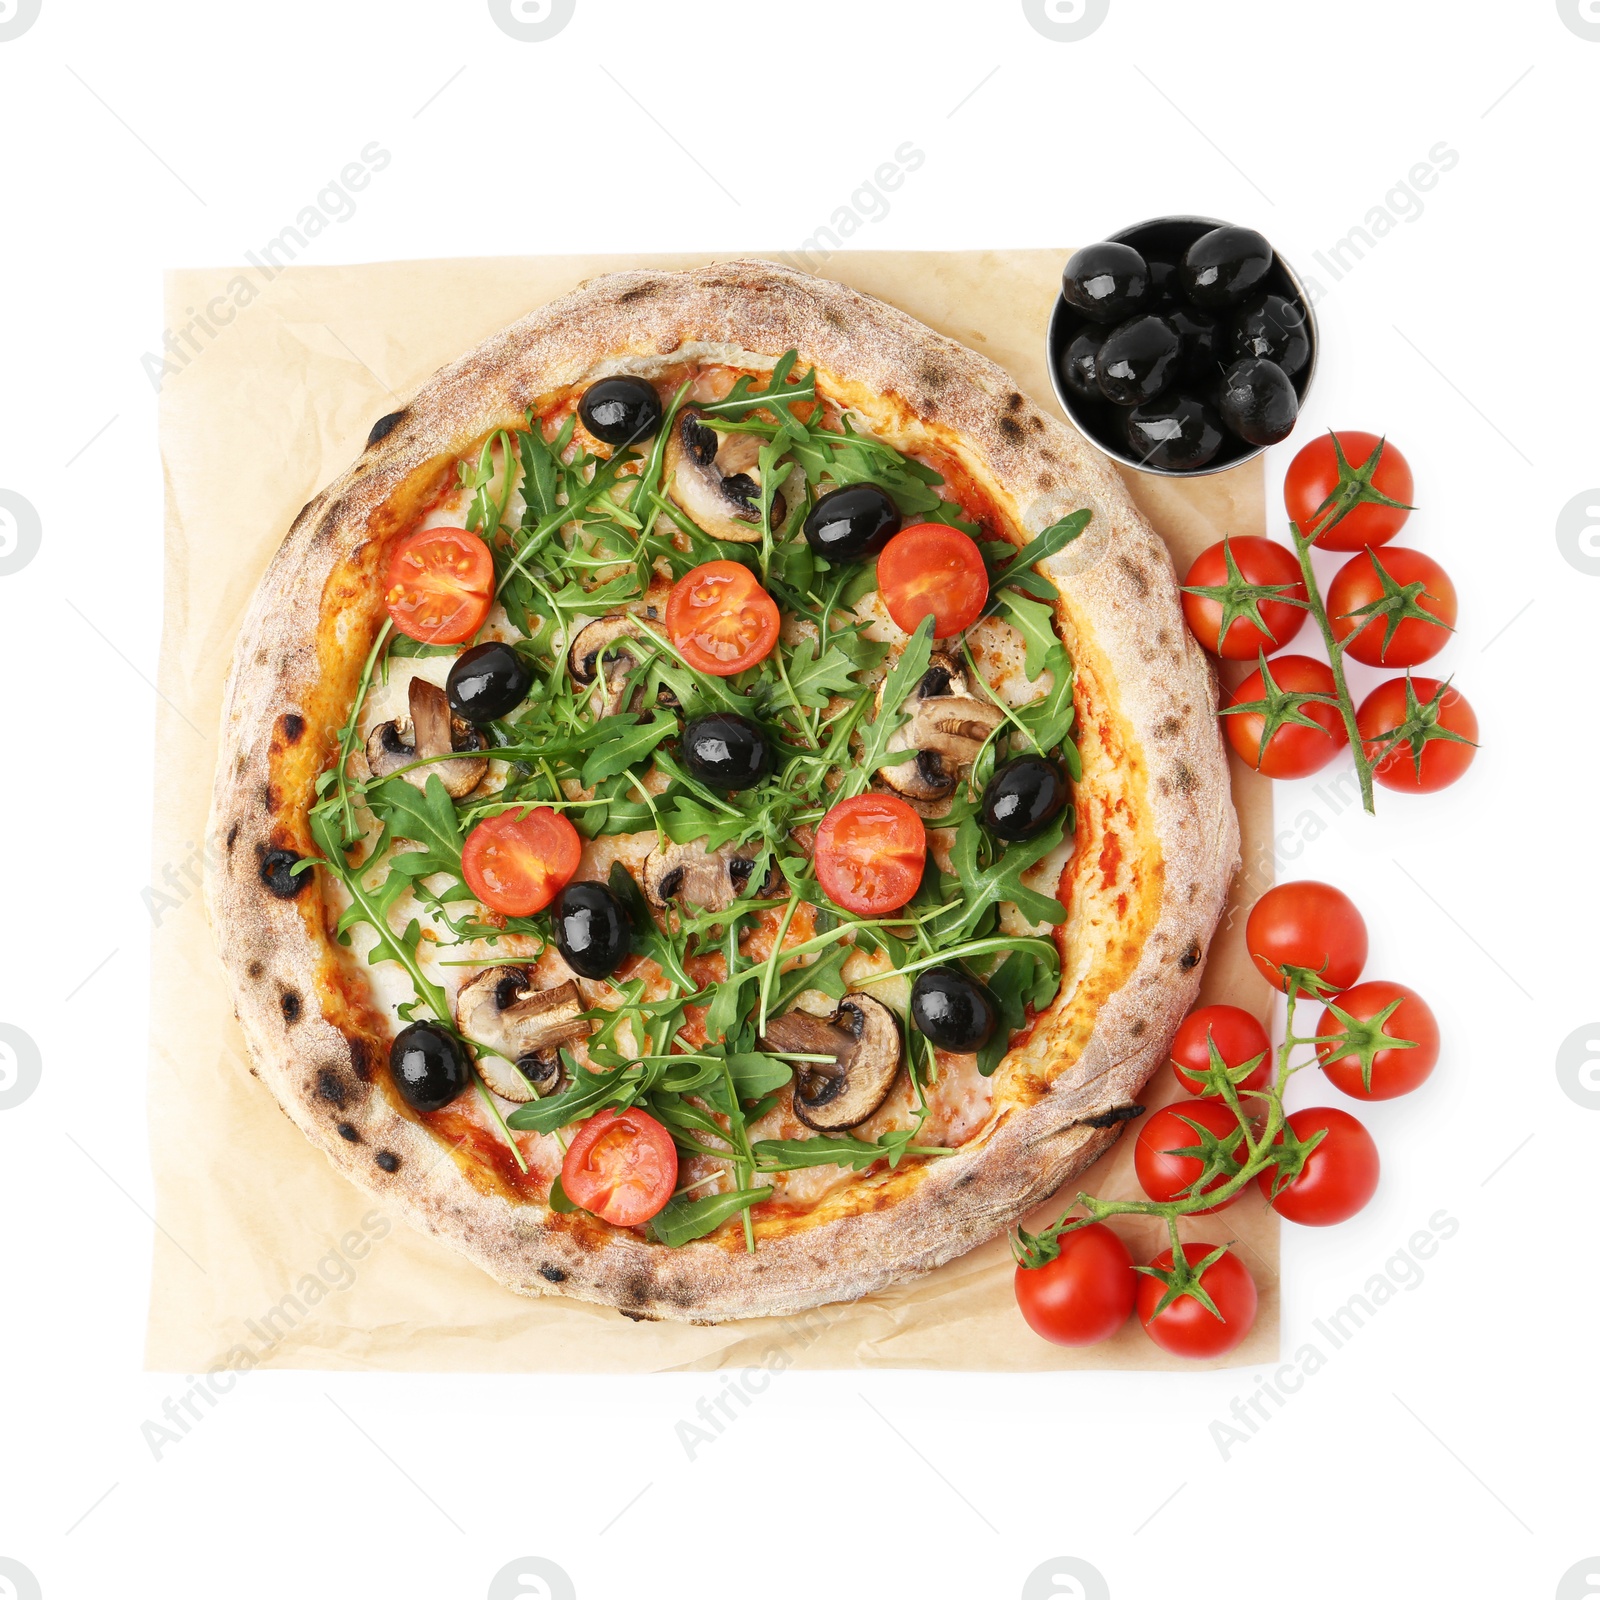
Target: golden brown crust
x=1157, y=840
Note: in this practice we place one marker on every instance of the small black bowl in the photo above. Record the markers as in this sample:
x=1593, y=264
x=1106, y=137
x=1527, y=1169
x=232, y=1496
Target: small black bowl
x=1166, y=239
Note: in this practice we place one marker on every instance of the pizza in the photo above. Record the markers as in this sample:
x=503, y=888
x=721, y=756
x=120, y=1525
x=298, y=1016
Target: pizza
x=718, y=809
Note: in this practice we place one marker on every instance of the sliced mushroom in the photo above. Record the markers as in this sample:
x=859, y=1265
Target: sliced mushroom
x=602, y=644
x=863, y=1040
x=946, y=727
x=520, y=1029
x=434, y=732
x=710, y=879
x=716, y=478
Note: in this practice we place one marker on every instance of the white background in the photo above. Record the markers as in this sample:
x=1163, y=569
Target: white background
x=1448, y=1447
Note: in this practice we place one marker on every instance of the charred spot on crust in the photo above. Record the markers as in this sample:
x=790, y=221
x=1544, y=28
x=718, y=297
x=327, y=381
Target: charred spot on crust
x=1190, y=959
x=1047, y=480
x=1169, y=727
x=348, y=1133
x=255, y=969
x=638, y=1316
x=1109, y=1119
x=1137, y=1027
x=384, y=426
x=552, y=1274
x=1183, y=776
x=289, y=1004
x=388, y=1160
x=640, y=291
x=933, y=375
x=1036, y=424
x=277, y=872
x=233, y=834
x=1012, y=429
x=1014, y=401
x=1137, y=576
x=293, y=726
x=360, y=1064
x=331, y=1086
x=836, y=319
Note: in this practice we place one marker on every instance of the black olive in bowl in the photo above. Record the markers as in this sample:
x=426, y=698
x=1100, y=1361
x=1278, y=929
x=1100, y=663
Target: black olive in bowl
x=726, y=751
x=1138, y=360
x=428, y=1066
x=593, y=929
x=1105, y=282
x=1271, y=329
x=1258, y=401
x=956, y=1012
x=1080, y=366
x=1225, y=267
x=488, y=681
x=1175, y=433
x=848, y=523
x=621, y=410
x=1024, y=797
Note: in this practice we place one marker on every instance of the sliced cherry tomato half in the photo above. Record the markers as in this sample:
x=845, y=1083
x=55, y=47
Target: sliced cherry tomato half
x=519, y=861
x=1425, y=758
x=721, y=619
x=1258, y=565
x=1309, y=925
x=1163, y=1173
x=870, y=853
x=439, y=585
x=1187, y=1327
x=1084, y=1294
x=932, y=570
x=1293, y=749
x=1238, y=1036
x=1367, y=1069
x=622, y=1166
x=1339, y=1177
x=1313, y=483
x=1414, y=581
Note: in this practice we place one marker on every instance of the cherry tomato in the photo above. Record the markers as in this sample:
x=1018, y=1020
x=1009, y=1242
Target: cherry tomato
x=1186, y=1327
x=517, y=862
x=1393, y=1071
x=1314, y=476
x=1311, y=925
x=622, y=1166
x=1085, y=1294
x=1237, y=1035
x=1261, y=563
x=1422, y=762
x=1340, y=1176
x=1294, y=750
x=1166, y=1175
x=870, y=852
x=930, y=569
x=1357, y=585
x=439, y=585
x=721, y=619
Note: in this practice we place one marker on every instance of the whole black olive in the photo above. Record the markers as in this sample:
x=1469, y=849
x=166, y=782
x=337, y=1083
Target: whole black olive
x=956, y=1012
x=1024, y=797
x=1202, y=358
x=621, y=410
x=856, y=520
x=593, y=930
x=1225, y=266
x=428, y=1066
x=1176, y=433
x=1080, y=363
x=1106, y=282
x=490, y=680
x=1138, y=360
x=726, y=751
x=1271, y=329
x=1258, y=402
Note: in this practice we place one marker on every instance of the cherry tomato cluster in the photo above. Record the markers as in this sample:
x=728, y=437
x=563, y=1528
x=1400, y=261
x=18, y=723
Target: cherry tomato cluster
x=1374, y=1040
x=1247, y=598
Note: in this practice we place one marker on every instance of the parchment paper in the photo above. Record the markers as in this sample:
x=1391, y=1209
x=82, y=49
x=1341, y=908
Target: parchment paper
x=264, y=1255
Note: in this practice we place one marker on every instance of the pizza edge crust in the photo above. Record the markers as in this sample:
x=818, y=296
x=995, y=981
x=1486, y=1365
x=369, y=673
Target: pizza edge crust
x=1119, y=607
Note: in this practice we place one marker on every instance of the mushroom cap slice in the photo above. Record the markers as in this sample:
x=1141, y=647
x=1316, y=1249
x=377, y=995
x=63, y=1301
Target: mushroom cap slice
x=601, y=642
x=710, y=879
x=434, y=732
x=519, y=1029
x=716, y=479
x=946, y=727
x=863, y=1039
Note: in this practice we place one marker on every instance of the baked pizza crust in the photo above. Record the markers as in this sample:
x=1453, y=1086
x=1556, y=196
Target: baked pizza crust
x=1157, y=840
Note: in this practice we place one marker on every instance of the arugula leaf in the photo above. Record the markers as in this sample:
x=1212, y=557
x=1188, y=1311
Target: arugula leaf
x=903, y=677
x=1040, y=548
x=1037, y=625
x=1049, y=717
x=756, y=1073
x=842, y=1150
x=1019, y=980
x=680, y=1220
x=814, y=679
x=621, y=741
x=983, y=888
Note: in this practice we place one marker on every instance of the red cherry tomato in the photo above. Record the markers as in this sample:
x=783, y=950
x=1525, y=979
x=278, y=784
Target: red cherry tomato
x=1314, y=476
x=518, y=861
x=1311, y=925
x=1294, y=750
x=1340, y=1176
x=1357, y=585
x=721, y=619
x=931, y=570
x=1238, y=1037
x=1186, y=1327
x=1085, y=1294
x=1166, y=1175
x=1436, y=763
x=439, y=585
x=1261, y=563
x=622, y=1166
x=870, y=852
x=1394, y=1071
